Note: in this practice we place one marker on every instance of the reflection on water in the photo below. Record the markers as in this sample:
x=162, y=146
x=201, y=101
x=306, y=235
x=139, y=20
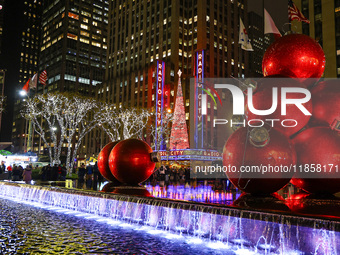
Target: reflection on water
x=216, y=192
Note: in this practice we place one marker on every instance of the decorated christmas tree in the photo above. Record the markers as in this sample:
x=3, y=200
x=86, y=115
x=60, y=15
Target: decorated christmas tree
x=179, y=135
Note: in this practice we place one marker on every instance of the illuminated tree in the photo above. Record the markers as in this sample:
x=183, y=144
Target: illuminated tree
x=42, y=111
x=179, y=134
x=124, y=123
x=161, y=136
x=68, y=118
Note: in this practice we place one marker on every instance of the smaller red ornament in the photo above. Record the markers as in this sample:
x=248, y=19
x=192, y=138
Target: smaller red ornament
x=255, y=149
x=296, y=56
x=103, y=162
x=326, y=102
x=318, y=160
x=131, y=161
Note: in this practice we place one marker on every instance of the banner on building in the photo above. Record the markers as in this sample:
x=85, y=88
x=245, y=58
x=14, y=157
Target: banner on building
x=199, y=76
x=160, y=72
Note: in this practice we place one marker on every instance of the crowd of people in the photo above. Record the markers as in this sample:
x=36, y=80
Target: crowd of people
x=171, y=174
x=89, y=176
x=53, y=173
x=17, y=172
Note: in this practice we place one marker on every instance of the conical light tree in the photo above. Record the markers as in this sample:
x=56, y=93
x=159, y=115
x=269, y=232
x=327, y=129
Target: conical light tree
x=179, y=139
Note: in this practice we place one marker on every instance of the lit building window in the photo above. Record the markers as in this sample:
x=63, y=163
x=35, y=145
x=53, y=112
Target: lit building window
x=84, y=26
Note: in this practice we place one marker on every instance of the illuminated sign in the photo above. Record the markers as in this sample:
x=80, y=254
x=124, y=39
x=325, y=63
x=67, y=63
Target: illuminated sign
x=198, y=98
x=159, y=96
x=200, y=155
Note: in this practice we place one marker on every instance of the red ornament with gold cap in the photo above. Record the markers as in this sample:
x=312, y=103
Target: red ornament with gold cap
x=296, y=56
x=132, y=161
x=256, y=148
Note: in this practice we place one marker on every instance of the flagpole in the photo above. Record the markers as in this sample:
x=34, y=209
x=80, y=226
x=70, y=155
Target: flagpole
x=40, y=142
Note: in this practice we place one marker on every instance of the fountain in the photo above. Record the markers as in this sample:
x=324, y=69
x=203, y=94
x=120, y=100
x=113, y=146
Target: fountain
x=243, y=231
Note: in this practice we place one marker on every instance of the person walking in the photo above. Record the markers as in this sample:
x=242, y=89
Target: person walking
x=15, y=173
x=2, y=167
x=27, y=174
x=9, y=169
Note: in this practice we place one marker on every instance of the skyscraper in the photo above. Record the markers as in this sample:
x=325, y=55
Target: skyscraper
x=73, y=48
x=30, y=29
x=260, y=43
x=324, y=27
x=143, y=32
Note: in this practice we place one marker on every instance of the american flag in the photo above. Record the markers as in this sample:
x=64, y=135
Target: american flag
x=43, y=77
x=295, y=14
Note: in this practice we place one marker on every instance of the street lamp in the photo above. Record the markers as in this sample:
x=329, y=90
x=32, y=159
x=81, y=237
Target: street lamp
x=23, y=93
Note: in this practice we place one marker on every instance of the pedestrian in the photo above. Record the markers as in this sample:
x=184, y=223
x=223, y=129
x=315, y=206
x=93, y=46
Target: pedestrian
x=81, y=175
x=9, y=169
x=2, y=167
x=21, y=171
x=89, y=175
x=63, y=173
x=27, y=174
x=54, y=173
x=44, y=173
x=96, y=175
x=15, y=173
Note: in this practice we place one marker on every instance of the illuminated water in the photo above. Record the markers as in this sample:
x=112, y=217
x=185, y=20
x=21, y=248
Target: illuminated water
x=25, y=229
x=225, y=229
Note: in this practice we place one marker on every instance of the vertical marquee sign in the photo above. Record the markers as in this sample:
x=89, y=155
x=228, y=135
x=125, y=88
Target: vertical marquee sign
x=159, y=98
x=198, y=98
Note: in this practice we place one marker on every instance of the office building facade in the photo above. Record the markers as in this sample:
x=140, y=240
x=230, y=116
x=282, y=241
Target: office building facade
x=144, y=32
x=29, y=60
x=324, y=16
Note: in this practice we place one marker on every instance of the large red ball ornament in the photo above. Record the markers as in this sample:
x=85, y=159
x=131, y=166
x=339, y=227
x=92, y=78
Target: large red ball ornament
x=255, y=149
x=103, y=162
x=326, y=102
x=130, y=161
x=295, y=56
x=263, y=98
x=318, y=160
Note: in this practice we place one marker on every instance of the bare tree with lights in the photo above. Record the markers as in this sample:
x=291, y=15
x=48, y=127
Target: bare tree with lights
x=161, y=135
x=81, y=116
x=124, y=123
x=68, y=117
x=43, y=110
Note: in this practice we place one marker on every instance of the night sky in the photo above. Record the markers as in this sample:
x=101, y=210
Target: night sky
x=10, y=57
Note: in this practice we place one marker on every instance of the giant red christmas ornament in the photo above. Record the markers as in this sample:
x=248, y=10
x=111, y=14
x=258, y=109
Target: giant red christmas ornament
x=103, y=162
x=326, y=102
x=296, y=56
x=131, y=161
x=262, y=99
x=254, y=149
x=318, y=160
